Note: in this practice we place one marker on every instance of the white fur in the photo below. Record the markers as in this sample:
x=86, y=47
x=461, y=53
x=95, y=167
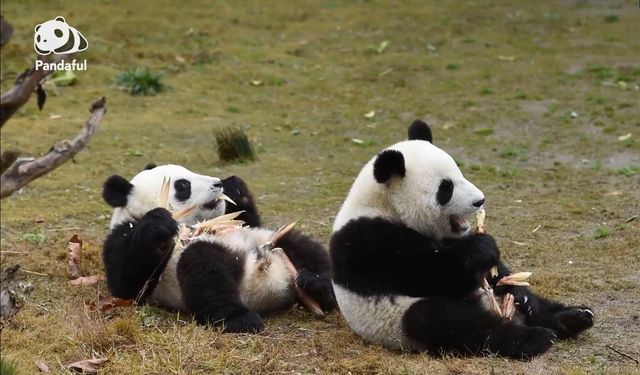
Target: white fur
x=377, y=320
x=411, y=201
x=145, y=195
x=168, y=293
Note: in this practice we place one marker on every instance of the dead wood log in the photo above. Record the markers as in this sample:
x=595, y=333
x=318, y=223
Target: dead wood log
x=23, y=172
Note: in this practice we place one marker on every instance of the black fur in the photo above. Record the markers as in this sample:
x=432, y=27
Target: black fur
x=133, y=250
x=149, y=166
x=565, y=321
x=421, y=131
x=375, y=257
x=236, y=189
x=116, y=190
x=388, y=163
x=445, y=192
x=182, y=189
x=313, y=265
x=209, y=276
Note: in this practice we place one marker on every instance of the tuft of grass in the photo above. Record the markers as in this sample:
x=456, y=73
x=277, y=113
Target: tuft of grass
x=8, y=366
x=453, y=66
x=602, y=232
x=629, y=171
x=509, y=152
x=611, y=18
x=34, y=238
x=234, y=145
x=140, y=81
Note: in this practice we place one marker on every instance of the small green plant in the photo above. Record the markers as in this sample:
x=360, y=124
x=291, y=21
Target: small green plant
x=453, y=66
x=34, y=238
x=611, y=18
x=508, y=152
x=140, y=81
x=8, y=366
x=629, y=171
x=234, y=145
x=602, y=232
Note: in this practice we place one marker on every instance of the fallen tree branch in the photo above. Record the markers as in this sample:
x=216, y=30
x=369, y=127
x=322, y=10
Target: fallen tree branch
x=23, y=172
x=26, y=83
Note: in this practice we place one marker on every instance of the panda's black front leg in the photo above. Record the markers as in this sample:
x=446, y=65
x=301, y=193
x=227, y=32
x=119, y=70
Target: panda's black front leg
x=133, y=250
x=566, y=321
x=313, y=265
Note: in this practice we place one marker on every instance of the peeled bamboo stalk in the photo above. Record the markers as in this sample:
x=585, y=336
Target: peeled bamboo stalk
x=306, y=300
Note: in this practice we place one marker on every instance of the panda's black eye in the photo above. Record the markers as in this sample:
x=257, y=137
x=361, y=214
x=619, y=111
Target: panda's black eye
x=183, y=189
x=445, y=192
x=58, y=33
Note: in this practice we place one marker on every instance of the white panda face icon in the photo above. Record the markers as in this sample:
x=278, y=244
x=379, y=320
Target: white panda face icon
x=58, y=37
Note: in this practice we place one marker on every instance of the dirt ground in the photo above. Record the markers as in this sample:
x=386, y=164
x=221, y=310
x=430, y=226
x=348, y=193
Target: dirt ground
x=537, y=101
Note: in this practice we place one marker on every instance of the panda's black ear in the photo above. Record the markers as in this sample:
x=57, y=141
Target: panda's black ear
x=420, y=130
x=150, y=166
x=61, y=19
x=388, y=163
x=116, y=191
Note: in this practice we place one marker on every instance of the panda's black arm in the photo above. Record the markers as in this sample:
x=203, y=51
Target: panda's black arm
x=375, y=256
x=133, y=250
x=236, y=189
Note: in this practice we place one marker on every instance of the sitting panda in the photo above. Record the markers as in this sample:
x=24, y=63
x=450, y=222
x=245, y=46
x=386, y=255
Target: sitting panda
x=216, y=278
x=407, y=272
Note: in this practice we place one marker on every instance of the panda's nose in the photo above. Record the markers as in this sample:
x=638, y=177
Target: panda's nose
x=217, y=184
x=478, y=203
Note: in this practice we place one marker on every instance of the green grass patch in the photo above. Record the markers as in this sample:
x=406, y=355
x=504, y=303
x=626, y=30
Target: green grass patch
x=629, y=171
x=233, y=144
x=602, y=232
x=140, y=81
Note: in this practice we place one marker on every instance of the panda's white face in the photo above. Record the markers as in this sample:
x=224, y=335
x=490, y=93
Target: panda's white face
x=131, y=200
x=417, y=184
x=433, y=197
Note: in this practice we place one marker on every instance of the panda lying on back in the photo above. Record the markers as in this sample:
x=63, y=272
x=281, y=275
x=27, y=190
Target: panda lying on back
x=407, y=274
x=214, y=277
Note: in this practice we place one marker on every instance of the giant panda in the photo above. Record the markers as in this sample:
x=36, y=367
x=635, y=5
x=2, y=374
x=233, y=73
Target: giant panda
x=407, y=271
x=219, y=279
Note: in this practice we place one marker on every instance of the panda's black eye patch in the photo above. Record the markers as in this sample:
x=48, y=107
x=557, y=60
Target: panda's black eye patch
x=183, y=189
x=445, y=192
x=58, y=33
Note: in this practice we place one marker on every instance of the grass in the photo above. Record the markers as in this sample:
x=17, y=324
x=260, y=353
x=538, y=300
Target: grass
x=233, y=145
x=318, y=79
x=140, y=81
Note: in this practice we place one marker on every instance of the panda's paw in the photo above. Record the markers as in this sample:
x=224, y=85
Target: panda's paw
x=481, y=253
x=572, y=320
x=248, y=322
x=155, y=227
x=524, y=343
x=318, y=287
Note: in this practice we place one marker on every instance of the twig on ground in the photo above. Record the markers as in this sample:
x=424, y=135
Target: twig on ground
x=623, y=354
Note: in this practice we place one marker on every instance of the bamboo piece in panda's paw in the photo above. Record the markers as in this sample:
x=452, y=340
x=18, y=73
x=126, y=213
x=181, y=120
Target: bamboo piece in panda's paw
x=163, y=198
x=508, y=306
x=515, y=279
x=480, y=216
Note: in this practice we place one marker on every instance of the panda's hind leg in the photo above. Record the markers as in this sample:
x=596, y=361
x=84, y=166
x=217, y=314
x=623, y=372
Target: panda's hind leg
x=447, y=325
x=209, y=277
x=566, y=321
